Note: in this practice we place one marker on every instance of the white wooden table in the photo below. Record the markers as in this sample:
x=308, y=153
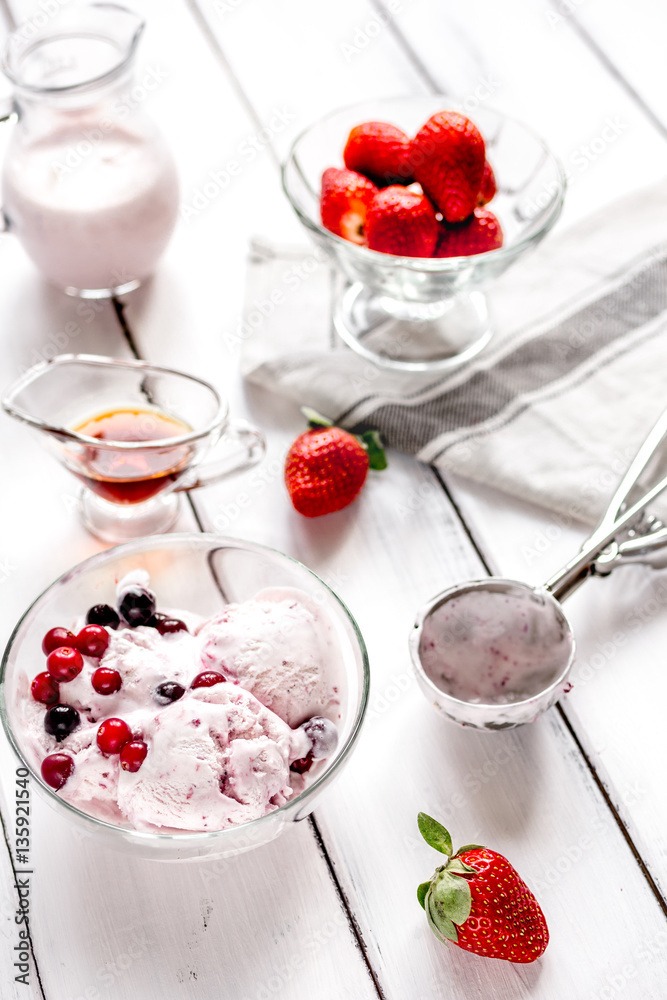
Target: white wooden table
x=577, y=801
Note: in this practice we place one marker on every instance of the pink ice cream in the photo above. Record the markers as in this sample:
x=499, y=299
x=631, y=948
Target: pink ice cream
x=217, y=756
x=274, y=648
x=494, y=646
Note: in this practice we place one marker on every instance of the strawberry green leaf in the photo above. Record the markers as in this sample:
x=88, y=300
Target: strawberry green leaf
x=421, y=893
x=372, y=442
x=434, y=834
x=440, y=924
x=451, y=898
x=315, y=419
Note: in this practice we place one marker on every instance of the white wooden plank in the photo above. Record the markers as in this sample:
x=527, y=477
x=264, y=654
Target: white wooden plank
x=620, y=624
x=37, y=508
x=402, y=564
x=368, y=547
x=271, y=921
x=629, y=37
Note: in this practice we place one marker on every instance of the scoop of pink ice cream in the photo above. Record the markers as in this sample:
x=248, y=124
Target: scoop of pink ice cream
x=280, y=647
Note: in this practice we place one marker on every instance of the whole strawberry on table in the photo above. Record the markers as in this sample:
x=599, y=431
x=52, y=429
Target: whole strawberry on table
x=479, y=902
x=414, y=197
x=326, y=467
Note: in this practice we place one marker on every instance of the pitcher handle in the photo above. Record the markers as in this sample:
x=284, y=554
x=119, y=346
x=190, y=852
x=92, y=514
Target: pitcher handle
x=245, y=446
x=8, y=112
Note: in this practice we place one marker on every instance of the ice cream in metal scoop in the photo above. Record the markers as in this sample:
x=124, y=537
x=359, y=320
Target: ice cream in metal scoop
x=496, y=653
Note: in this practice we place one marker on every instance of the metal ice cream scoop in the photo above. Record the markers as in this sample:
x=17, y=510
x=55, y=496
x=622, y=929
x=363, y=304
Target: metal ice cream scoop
x=496, y=653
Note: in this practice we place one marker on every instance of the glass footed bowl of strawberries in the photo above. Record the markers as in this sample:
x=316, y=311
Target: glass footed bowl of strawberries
x=421, y=208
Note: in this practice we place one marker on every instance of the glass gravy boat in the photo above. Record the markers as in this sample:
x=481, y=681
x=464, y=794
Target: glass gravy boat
x=89, y=185
x=134, y=434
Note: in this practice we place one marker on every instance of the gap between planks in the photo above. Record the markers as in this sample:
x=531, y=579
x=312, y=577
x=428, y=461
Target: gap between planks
x=119, y=309
x=613, y=70
x=5, y=837
x=419, y=65
x=598, y=52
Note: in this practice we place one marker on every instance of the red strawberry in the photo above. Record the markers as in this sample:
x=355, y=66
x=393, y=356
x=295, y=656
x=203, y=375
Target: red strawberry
x=480, y=233
x=381, y=151
x=326, y=467
x=448, y=161
x=345, y=200
x=479, y=901
x=403, y=223
x=488, y=186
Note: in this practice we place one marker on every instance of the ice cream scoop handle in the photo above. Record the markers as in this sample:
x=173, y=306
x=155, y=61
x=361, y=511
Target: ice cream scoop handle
x=567, y=579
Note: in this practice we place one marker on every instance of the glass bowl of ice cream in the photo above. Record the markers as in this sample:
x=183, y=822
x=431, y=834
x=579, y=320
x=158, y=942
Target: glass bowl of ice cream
x=185, y=696
x=492, y=654
x=422, y=313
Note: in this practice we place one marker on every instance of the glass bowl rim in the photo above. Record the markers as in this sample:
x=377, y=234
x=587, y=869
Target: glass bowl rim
x=451, y=700
x=435, y=265
x=189, y=837
x=216, y=425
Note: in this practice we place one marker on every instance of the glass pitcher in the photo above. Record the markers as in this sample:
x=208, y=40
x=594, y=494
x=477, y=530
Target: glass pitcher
x=89, y=185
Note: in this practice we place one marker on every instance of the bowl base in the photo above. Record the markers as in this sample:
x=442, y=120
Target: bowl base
x=437, y=336
x=123, y=522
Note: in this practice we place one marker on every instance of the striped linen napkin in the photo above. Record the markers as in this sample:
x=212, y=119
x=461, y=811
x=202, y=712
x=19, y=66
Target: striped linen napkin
x=551, y=411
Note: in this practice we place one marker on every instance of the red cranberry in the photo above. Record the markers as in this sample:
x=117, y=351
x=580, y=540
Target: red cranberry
x=56, y=769
x=102, y=614
x=167, y=626
x=56, y=637
x=133, y=755
x=92, y=640
x=64, y=663
x=112, y=735
x=106, y=681
x=207, y=679
x=45, y=688
x=303, y=764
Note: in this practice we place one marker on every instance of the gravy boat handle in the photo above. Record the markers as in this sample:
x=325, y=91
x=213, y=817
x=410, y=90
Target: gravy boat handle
x=241, y=446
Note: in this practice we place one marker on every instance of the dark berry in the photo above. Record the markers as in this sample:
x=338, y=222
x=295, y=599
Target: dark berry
x=56, y=769
x=323, y=736
x=92, y=640
x=112, y=735
x=133, y=755
x=156, y=619
x=60, y=721
x=102, y=614
x=56, y=637
x=303, y=764
x=168, y=691
x=45, y=688
x=169, y=625
x=137, y=606
x=207, y=679
x=64, y=663
x=106, y=681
